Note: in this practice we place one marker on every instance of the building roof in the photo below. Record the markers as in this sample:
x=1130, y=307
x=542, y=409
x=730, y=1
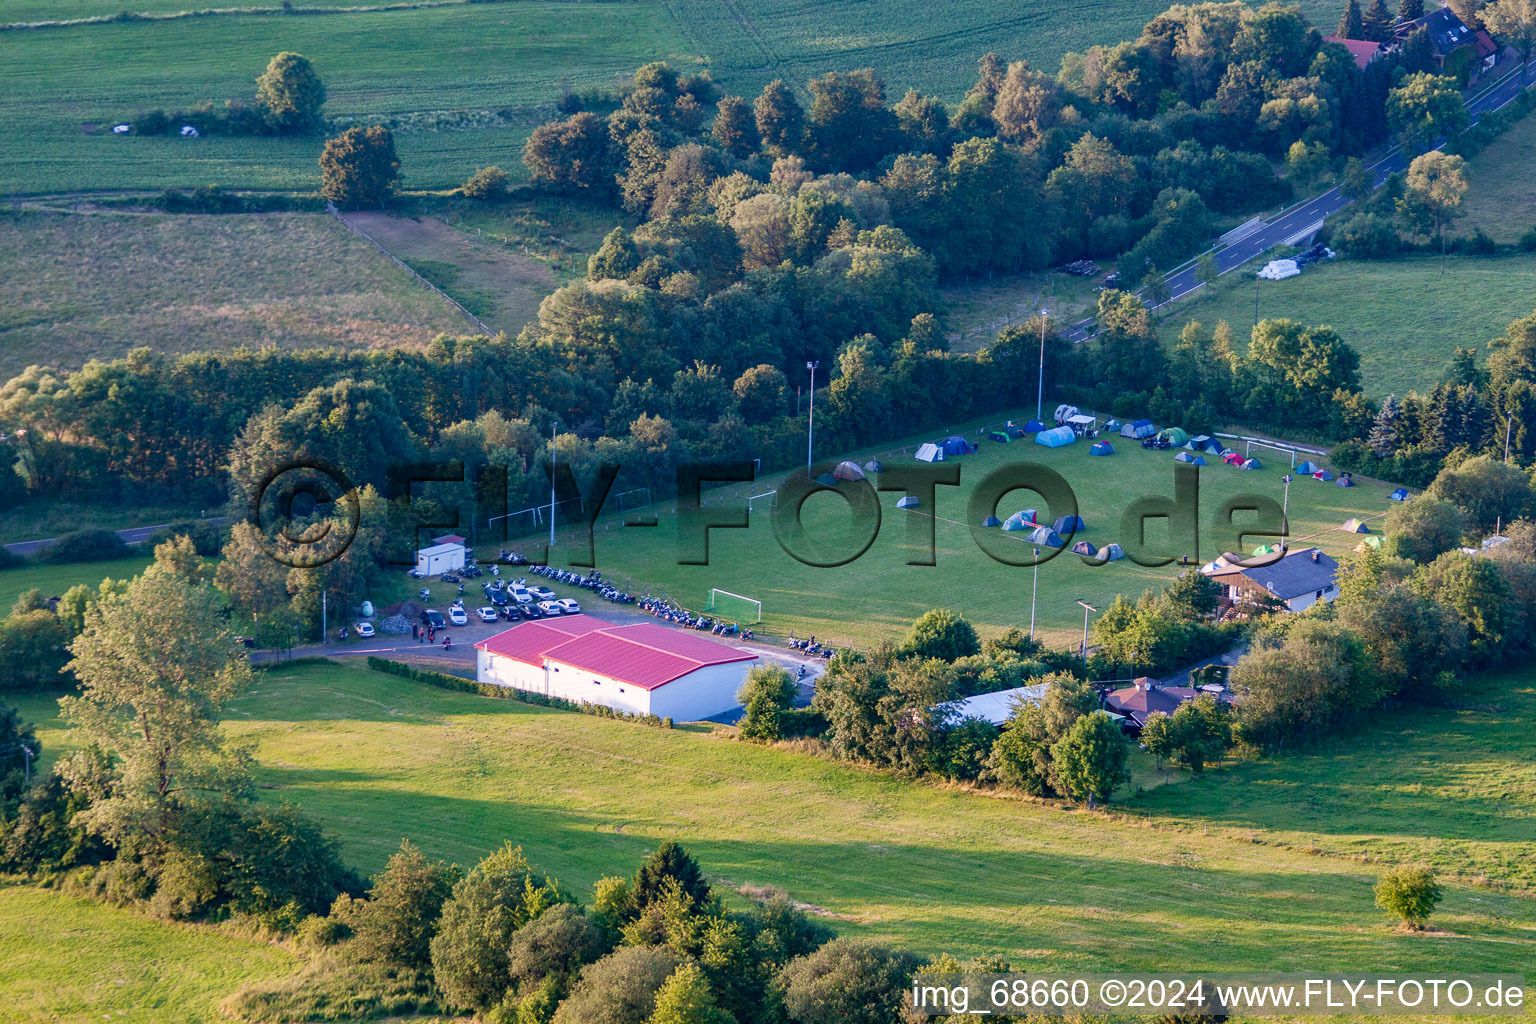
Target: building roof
x=439, y=549
x=1363, y=50
x=1486, y=47
x=1303, y=571
x=1145, y=696
x=448, y=538
x=643, y=654
x=1446, y=30
x=997, y=707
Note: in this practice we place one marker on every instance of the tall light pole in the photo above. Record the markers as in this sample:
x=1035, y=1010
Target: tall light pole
x=27, y=754
x=1087, y=608
x=552, y=427
x=1040, y=386
x=810, y=430
x=1034, y=595
x=1285, y=506
x=1509, y=425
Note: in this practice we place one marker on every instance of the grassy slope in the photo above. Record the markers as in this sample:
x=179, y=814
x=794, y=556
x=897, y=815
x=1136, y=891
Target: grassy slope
x=1402, y=316
x=377, y=758
x=461, y=64
x=193, y=283
x=53, y=580
x=1502, y=200
x=879, y=595
x=66, y=959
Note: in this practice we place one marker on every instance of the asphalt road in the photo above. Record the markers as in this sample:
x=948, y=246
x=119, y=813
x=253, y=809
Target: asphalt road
x=132, y=535
x=1303, y=220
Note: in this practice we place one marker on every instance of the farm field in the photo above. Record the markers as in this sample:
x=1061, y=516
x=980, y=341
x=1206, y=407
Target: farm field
x=490, y=74
x=53, y=580
x=1502, y=199
x=878, y=595
x=1402, y=316
x=199, y=283
x=68, y=959
x=923, y=866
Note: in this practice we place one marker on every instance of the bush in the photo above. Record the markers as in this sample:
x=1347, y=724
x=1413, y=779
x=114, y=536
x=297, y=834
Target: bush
x=1409, y=894
x=207, y=538
x=10, y=559
x=86, y=546
x=1528, y=241
x=1366, y=236
x=488, y=185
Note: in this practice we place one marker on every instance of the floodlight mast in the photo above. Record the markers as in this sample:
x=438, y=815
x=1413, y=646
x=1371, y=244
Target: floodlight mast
x=810, y=432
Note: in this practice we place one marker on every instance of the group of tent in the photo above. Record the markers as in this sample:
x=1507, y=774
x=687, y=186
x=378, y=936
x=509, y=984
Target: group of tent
x=1027, y=520
x=938, y=451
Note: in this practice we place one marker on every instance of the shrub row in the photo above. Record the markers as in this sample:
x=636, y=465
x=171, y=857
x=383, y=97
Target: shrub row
x=444, y=681
x=1491, y=125
x=285, y=663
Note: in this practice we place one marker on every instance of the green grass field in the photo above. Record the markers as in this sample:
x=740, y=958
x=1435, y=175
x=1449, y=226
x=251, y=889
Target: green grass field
x=67, y=959
x=1402, y=316
x=53, y=580
x=79, y=287
x=879, y=595
x=377, y=758
x=1502, y=199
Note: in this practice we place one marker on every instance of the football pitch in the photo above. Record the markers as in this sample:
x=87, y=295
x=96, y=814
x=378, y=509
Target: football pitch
x=877, y=594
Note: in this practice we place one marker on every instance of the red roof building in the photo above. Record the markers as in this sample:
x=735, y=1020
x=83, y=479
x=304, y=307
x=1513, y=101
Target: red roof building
x=1363, y=50
x=643, y=668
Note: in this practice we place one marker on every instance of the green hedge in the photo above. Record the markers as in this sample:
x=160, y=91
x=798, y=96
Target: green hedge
x=277, y=663
x=444, y=681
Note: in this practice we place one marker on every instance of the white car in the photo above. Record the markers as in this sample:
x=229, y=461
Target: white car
x=542, y=593
x=568, y=606
x=457, y=617
x=520, y=595
x=551, y=608
x=364, y=629
x=487, y=614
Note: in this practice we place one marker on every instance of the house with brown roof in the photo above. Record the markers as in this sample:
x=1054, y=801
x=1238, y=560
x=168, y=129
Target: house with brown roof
x=1144, y=697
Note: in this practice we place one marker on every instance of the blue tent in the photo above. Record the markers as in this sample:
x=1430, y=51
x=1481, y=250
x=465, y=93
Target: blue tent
x=1082, y=547
x=1345, y=481
x=827, y=480
x=1193, y=460
x=1069, y=524
x=1252, y=464
x=991, y=521
x=1055, y=437
x=1309, y=467
x=1012, y=525
x=1138, y=428
x=907, y=502
x=955, y=445
x=1322, y=475
x=1101, y=448
x=1401, y=494
x=1046, y=538
x=1033, y=427
x=1112, y=425
x=1024, y=519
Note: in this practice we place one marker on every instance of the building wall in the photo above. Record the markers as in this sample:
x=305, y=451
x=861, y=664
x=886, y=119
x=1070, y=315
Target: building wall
x=580, y=684
x=434, y=565
x=699, y=694
x=1305, y=601
x=500, y=671
x=702, y=693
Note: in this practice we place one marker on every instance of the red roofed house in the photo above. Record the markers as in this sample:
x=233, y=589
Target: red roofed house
x=1145, y=696
x=643, y=669
x=1363, y=50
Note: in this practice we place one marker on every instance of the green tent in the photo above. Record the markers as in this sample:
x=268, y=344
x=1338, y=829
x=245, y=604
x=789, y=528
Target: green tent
x=1266, y=549
x=1174, y=435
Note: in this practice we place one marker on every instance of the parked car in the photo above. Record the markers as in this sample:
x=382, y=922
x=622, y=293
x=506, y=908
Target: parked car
x=543, y=593
x=520, y=595
x=457, y=617
x=511, y=612
x=496, y=596
x=568, y=606
x=364, y=629
x=551, y=608
x=434, y=618
x=486, y=614
x=530, y=611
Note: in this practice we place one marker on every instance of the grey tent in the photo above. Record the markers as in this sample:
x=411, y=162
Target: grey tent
x=1069, y=524
x=929, y=452
x=1046, y=537
x=907, y=502
x=1138, y=429
x=848, y=471
x=991, y=521
x=873, y=466
x=1191, y=458
x=1111, y=553
x=1082, y=547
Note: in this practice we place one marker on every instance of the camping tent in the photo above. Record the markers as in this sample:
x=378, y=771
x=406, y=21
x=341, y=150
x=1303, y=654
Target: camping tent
x=1199, y=443
x=1308, y=468
x=1232, y=459
x=1046, y=537
x=907, y=502
x=1101, y=448
x=1174, y=435
x=1082, y=547
x=999, y=436
x=1191, y=458
x=1069, y=524
x=1024, y=519
x=873, y=466
x=1252, y=464
x=1266, y=549
x=1345, y=481
x=1354, y=526
x=1064, y=412
x=1322, y=475
x=1111, y=553
x=1055, y=437
x=1112, y=425
x=929, y=452
x=1401, y=494
x=1138, y=428
x=827, y=480
x=1014, y=430
x=1033, y=427
x=991, y=521
x=954, y=444
x=848, y=471
x=1371, y=543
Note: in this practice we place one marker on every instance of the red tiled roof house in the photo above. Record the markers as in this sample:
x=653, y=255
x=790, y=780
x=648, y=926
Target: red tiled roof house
x=643, y=669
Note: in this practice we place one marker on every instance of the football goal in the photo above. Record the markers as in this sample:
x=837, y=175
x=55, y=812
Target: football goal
x=733, y=606
x=521, y=523
x=768, y=499
x=628, y=501
x=1251, y=445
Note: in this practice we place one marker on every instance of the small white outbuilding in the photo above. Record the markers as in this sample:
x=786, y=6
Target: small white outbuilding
x=440, y=558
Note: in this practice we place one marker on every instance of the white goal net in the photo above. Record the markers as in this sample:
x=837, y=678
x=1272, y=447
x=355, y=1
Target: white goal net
x=1291, y=452
x=628, y=501
x=727, y=605
x=758, y=502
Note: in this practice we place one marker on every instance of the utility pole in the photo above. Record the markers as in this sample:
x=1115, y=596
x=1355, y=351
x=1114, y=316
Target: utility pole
x=1034, y=595
x=552, y=427
x=1285, y=505
x=1087, y=608
x=1255, y=300
x=1040, y=387
x=1509, y=424
x=810, y=431
x=27, y=754
x=324, y=625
